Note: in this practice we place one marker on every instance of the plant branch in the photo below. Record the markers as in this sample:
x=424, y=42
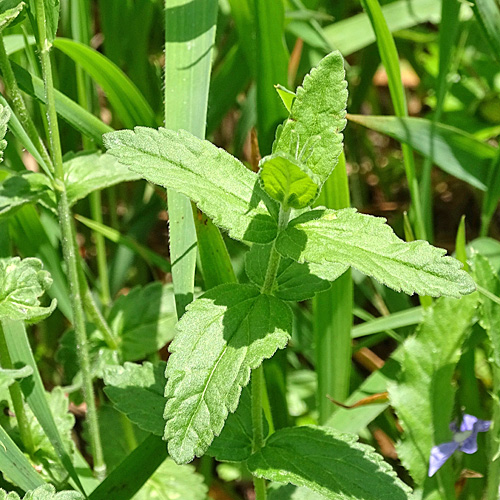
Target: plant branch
x=69, y=244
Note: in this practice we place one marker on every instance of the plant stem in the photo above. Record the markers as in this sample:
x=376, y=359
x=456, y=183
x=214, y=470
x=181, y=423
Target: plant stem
x=258, y=428
x=258, y=380
x=69, y=244
x=17, y=398
x=274, y=258
x=16, y=99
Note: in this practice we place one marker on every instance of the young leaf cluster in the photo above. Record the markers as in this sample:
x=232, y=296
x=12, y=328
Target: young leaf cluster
x=295, y=252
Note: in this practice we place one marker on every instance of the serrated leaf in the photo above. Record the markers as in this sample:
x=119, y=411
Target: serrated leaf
x=223, y=335
x=236, y=439
x=327, y=462
x=137, y=391
x=317, y=118
x=22, y=283
x=9, y=11
x=369, y=245
x=294, y=281
x=45, y=492
x=84, y=174
x=20, y=189
x=172, y=481
x=285, y=181
x=490, y=317
x=422, y=396
x=222, y=187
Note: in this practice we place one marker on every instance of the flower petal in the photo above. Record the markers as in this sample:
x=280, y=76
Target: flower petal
x=439, y=455
x=469, y=446
x=482, y=425
x=468, y=422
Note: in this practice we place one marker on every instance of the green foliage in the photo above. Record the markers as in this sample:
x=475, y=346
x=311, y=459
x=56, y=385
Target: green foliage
x=423, y=396
x=291, y=492
x=9, y=376
x=456, y=152
x=84, y=174
x=46, y=492
x=4, y=118
x=285, y=181
x=294, y=281
x=220, y=185
x=138, y=335
x=172, y=481
x=317, y=118
x=9, y=12
x=308, y=456
x=222, y=336
x=137, y=391
x=22, y=283
x=366, y=243
x=52, y=8
x=18, y=190
x=45, y=458
x=490, y=317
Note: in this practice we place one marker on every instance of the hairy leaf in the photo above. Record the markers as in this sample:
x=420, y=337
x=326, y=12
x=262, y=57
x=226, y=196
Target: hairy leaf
x=313, y=130
x=4, y=119
x=490, y=317
x=84, y=174
x=423, y=396
x=22, y=283
x=328, y=462
x=20, y=189
x=285, y=181
x=369, y=245
x=223, y=335
x=45, y=492
x=9, y=12
x=137, y=391
x=222, y=187
x=294, y=281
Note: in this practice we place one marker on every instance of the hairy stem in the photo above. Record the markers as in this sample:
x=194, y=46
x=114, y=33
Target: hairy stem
x=16, y=100
x=258, y=384
x=69, y=244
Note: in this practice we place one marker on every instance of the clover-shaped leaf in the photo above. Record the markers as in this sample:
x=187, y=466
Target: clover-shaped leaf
x=22, y=283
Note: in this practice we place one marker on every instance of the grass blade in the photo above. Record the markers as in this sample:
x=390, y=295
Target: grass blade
x=390, y=60
x=16, y=466
x=488, y=15
x=128, y=478
x=399, y=15
x=190, y=33
x=69, y=110
x=115, y=236
x=130, y=105
x=333, y=313
x=34, y=392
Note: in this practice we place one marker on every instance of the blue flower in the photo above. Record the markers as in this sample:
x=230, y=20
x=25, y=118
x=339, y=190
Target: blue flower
x=464, y=439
